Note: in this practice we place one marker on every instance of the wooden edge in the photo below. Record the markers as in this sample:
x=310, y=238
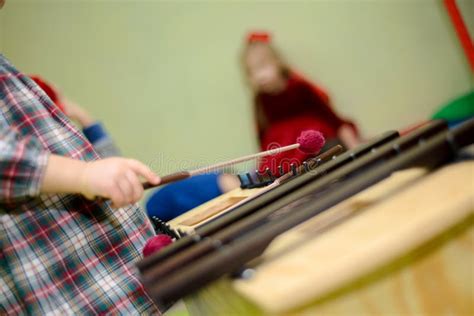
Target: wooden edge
x=381, y=233
x=179, y=221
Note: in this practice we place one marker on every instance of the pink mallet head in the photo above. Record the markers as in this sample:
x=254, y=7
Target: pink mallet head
x=310, y=141
x=156, y=243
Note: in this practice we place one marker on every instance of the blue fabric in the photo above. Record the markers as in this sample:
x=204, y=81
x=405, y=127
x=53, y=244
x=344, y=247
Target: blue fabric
x=179, y=197
x=95, y=132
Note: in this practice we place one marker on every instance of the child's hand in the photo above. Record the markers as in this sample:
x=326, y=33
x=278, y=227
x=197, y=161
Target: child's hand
x=117, y=179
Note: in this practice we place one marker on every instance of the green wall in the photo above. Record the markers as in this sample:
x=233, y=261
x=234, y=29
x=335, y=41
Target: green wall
x=1, y=31
x=164, y=75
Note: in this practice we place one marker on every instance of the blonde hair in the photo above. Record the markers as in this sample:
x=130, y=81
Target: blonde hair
x=281, y=63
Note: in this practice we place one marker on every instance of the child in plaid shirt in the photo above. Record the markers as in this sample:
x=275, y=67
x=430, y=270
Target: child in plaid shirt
x=61, y=251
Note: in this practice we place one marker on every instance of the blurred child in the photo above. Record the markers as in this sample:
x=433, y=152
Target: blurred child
x=286, y=103
x=62, y=252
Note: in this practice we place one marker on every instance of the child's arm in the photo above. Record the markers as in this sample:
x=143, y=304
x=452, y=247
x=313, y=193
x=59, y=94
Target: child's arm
x=115, y=178
x=77, y=113
x=27, y=170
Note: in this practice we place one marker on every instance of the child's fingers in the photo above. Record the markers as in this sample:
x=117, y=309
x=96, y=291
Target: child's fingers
x=137, y=187
x=127, y=190
x=116, y=196
x=144, y=171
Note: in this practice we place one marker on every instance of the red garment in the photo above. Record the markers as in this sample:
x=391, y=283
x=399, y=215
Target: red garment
x=300, y=106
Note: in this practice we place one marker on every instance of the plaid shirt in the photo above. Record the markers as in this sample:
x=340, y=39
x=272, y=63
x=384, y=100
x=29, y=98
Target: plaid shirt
x=60, y=254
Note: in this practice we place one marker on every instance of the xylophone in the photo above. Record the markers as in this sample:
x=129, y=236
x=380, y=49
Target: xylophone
x=330, y=238
x=249, y=192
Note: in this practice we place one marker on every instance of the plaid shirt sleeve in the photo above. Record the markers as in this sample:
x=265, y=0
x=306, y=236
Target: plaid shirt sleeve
x=22, y=165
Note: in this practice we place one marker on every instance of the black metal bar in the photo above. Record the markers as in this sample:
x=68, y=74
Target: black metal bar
x=230, y=257
x=277, y=193
x=254, y=219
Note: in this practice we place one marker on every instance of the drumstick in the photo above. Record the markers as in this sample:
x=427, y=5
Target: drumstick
x=309, y=141
x=160, y=241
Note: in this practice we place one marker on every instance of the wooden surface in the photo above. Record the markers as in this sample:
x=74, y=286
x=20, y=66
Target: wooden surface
x=402, y=247
x=209, y=210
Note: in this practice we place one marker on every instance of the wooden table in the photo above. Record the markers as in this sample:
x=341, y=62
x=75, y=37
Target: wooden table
x=402, y=247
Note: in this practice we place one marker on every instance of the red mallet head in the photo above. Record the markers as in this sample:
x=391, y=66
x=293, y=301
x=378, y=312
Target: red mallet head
x=311, y=141
x=156, y=243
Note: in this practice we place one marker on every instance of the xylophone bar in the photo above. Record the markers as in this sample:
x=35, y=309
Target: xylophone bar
x=288, y=187
x=230, y=257
x=229, y=218
x=251, y=222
